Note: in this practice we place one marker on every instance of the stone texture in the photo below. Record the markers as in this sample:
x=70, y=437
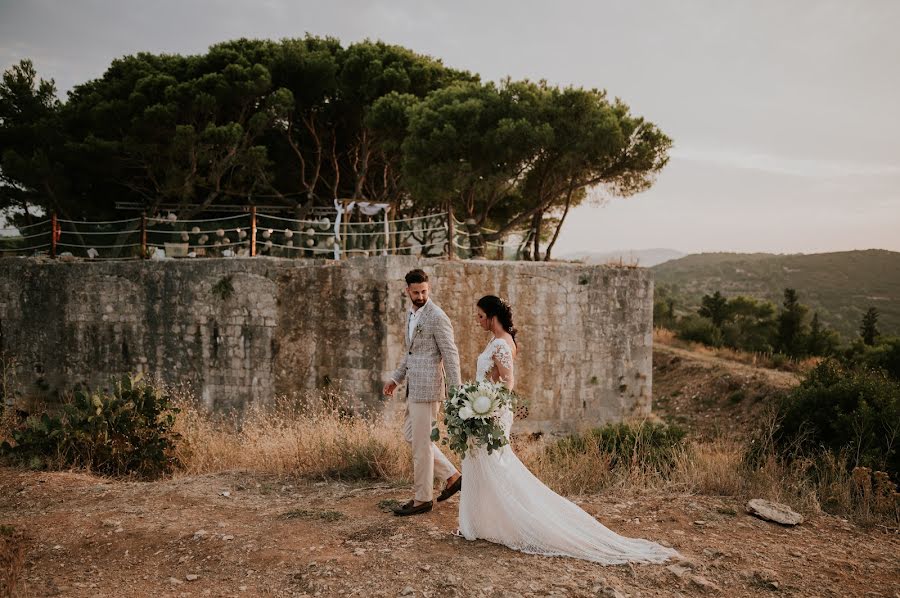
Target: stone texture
x=295, y=325
x=773, y=511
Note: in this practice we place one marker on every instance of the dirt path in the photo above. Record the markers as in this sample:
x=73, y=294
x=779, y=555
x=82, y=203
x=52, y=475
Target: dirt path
x=711, y=396
x=244, y=534
x=776, y=378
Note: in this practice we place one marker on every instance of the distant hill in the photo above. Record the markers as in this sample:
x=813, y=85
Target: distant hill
x=640, y=257
x=841, y=286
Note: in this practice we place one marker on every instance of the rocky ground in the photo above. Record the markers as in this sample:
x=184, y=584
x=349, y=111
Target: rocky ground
x=241, y=534
x=250, y=534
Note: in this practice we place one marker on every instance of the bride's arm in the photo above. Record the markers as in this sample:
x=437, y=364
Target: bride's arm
x=503, y=362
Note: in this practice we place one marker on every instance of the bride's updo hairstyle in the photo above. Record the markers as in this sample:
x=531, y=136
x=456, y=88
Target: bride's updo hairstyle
x=495, y=307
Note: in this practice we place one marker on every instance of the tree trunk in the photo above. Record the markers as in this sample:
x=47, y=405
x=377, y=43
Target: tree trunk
x=559, y=226
x=536, y=225
x=476, y=239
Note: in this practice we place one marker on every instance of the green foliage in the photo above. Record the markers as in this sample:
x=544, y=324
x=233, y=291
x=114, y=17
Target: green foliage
x=747, y=324
x=306, y=121
x=714, y=307
x=848, y=411
x=868, y=330
x=466, y=429
x=127, y=432
x=884, y=355
x=791, y=326
x=840, y=286
x=633, y=446
x=700, y=330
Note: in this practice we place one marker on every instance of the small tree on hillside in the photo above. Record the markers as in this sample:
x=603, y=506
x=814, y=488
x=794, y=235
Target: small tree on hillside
x=714, y=307
x=790, y=324
x=869, y=329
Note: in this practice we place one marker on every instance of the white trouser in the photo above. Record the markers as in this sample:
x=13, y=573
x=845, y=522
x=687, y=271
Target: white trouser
x=428, y=460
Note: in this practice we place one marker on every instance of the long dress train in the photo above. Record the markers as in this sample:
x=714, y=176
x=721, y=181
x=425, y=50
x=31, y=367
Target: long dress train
x=503, y=502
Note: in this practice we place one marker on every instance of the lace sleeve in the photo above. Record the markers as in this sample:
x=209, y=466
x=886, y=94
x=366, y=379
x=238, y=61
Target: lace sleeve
x=503, y=361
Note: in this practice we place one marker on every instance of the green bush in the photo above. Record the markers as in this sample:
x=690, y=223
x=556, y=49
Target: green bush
x=129, y=431
x=700, y=330
x=884, y=355
x=851, y=411
x=633, y=446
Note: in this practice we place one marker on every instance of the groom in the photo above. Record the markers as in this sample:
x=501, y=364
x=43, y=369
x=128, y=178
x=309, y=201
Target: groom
x=430, y=350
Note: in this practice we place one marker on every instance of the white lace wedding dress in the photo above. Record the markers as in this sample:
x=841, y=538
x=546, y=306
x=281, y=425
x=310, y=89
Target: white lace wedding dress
x=501, y=501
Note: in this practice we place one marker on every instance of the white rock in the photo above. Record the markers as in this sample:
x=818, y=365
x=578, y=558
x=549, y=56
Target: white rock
x=191, y=577
x=773, y=511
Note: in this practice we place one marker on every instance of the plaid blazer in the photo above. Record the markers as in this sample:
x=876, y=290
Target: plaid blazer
x=429, y=354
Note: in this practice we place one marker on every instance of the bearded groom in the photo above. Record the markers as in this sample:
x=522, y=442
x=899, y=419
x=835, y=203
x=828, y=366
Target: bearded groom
x=430, y=352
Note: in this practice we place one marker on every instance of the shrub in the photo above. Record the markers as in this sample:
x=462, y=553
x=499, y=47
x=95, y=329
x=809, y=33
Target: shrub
x=129, y=431
x=851, y=411
x=645, y=445
x=700, y=330
x=885, y=355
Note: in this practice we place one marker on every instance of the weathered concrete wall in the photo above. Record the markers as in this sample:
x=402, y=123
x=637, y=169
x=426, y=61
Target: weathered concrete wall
x=291, y=325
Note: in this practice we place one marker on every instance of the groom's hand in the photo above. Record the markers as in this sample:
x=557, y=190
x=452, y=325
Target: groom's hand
x=389, y=388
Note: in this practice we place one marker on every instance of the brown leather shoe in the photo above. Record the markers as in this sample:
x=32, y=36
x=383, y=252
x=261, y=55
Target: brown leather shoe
x=411, y=508
x=450, y=490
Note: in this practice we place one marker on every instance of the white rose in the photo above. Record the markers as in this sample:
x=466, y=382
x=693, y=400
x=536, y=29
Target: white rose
x=466, y=413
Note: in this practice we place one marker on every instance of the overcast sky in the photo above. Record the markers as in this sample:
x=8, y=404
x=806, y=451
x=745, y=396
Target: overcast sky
x=785, y=115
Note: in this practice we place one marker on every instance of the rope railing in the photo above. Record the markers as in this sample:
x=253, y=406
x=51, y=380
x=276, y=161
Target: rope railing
x=248, y=234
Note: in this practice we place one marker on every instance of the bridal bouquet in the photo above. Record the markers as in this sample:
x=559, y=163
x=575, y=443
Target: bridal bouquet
x=472, y=416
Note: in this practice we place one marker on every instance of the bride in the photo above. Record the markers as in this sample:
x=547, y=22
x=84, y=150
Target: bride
x=502, y=502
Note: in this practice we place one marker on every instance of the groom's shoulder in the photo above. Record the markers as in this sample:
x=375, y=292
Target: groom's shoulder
x=437, y=311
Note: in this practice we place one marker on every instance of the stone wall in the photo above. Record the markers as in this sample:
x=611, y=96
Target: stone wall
x=243, y=330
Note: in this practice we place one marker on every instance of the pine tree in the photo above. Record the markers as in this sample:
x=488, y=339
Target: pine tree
x=816, y=340
x=714, y=307
x=790, y=324
x=869, y=329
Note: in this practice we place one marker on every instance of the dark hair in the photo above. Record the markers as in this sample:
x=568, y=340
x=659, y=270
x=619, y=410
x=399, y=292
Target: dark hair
x=495, y=307
x=416, y=276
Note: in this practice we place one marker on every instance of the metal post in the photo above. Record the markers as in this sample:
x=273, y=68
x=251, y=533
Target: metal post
x=252, y=231
x=451, y=233
x=344, y=225
x=54, y=235
x=144, y=254
x=387, y=230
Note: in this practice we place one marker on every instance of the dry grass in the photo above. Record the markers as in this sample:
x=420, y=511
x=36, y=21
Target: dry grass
x=764, y=360
x=12, y=561
x=316, y=435
x=320, y=436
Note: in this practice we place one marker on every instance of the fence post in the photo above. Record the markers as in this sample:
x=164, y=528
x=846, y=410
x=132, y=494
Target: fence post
x=387, y=231
x=144, y=254
x=53, y=234
x=345, y=227
x=451, y=233
x=252, y=231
